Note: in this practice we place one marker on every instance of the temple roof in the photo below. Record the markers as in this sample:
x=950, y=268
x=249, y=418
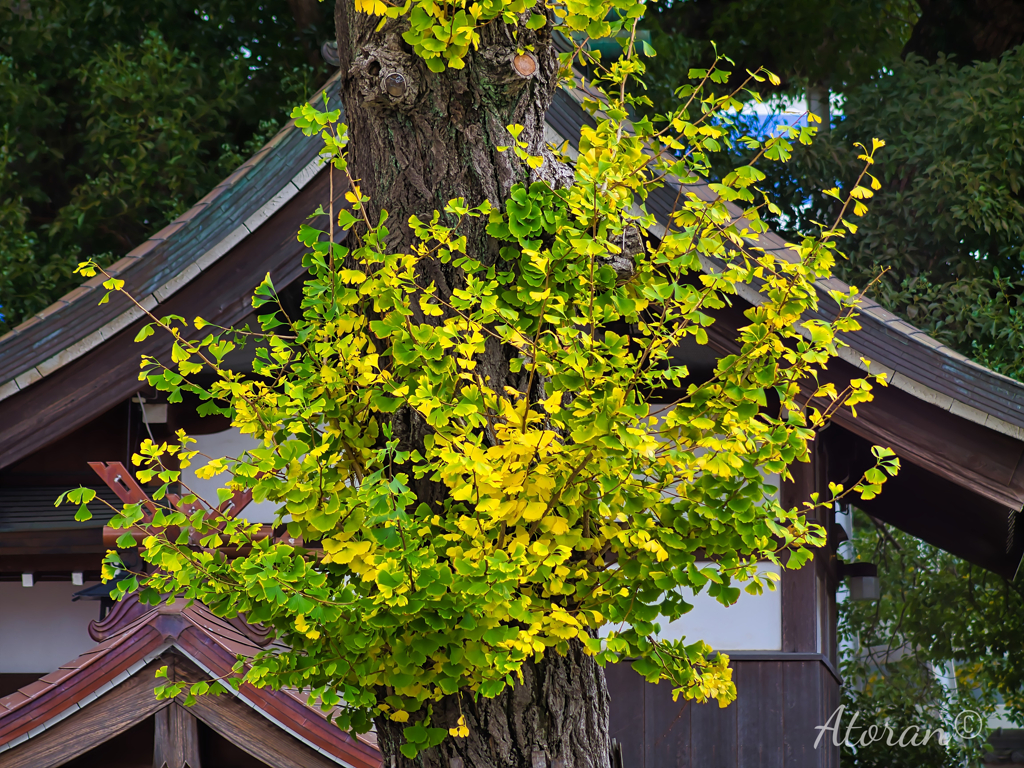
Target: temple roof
x=134, y=640
x=236, y=208
x=951, y=417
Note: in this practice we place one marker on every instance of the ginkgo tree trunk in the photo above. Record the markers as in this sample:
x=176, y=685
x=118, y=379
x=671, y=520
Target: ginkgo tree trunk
x=460, y=427
x=421, y=139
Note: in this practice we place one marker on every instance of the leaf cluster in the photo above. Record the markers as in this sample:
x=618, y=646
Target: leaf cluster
x=578, y=506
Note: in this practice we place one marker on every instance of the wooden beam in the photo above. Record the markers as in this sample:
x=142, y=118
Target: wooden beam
x=49, y=563
x=84, y=541
x=176, y=739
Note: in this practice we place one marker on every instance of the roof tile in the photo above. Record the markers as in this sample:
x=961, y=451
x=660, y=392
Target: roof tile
x=27, y=324
x=76, y=663
x=124, y=263
x=257, y=158
x=7, y=389
x=143, y=249
x=902, y=326
x=53, y=309
x=235, y=177
x=76, y=294
x=14, y=700
x=70, y=354
x=95, y=282
x=33, y=689
x=191, y=213
x=879, y=312
x=27, y=378
x=169, y=230
x=280, y=135
x=210, y=196
x=58, y=675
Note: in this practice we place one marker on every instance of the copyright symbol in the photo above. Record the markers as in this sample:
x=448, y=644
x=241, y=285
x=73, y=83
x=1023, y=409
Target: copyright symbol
x=968, y=724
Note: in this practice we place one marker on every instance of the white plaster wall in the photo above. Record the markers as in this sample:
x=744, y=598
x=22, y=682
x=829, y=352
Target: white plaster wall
x=753, y=623
x=231, y=443
x=40, y=628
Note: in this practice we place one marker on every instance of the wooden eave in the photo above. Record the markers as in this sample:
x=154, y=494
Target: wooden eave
x=74, y=359
x=212, y=644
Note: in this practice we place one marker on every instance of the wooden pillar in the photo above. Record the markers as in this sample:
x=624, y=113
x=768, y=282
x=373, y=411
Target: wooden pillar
x=811, y=689
x=800, y=632
x=176, y=742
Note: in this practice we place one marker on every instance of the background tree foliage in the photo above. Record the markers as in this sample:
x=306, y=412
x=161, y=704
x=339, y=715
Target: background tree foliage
x=831, y=43
x=945, y=637
x=948, y=222
x=116, y=117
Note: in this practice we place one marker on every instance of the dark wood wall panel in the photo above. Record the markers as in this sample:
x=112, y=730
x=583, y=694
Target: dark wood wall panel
x=772, y=723
x=626, y=715
x=831, y=687
x=804, y=703
x=713, y=736
x=669, y=728
x=759, y=713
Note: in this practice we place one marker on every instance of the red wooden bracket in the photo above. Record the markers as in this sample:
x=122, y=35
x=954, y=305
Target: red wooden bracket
x=121, y=482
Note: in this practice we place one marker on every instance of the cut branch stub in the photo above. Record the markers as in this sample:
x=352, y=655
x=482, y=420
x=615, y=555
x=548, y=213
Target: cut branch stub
x=524, y=64
x=394, y=85
x=385, y=74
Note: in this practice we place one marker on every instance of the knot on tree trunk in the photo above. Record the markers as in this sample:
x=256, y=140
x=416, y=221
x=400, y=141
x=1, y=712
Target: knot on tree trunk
x=385, y=74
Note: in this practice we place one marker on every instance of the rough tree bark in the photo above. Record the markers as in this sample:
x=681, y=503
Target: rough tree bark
x=557, y=718
x=418, y=140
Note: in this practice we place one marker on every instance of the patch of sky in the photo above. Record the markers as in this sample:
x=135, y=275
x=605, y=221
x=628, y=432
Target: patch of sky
x=769, y=118
x=773, y=117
